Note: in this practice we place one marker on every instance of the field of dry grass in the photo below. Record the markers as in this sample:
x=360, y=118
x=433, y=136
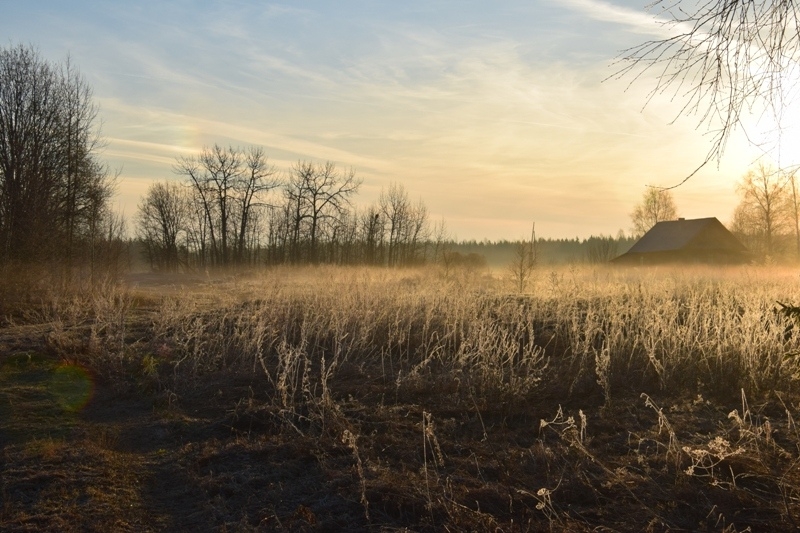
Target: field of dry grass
x=327, y=399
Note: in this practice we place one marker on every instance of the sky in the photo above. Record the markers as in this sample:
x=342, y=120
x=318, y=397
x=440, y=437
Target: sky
x=495, y=114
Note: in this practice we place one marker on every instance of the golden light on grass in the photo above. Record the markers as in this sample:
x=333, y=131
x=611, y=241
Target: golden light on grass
x=421, y=394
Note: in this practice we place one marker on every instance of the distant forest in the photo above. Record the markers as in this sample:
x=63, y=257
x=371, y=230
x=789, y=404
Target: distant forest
x=594, y=250
x=470, y=254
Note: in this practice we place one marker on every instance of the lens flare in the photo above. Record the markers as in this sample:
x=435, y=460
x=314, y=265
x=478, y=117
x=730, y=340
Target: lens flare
x=72, y=386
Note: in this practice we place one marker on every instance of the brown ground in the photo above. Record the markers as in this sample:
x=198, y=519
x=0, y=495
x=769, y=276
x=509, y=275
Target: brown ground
x=221, y=456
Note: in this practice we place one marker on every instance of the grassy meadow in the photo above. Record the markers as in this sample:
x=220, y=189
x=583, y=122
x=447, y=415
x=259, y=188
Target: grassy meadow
x=368, y=399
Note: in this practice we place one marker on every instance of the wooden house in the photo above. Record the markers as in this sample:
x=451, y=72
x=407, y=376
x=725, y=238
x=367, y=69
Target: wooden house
x=700, y=240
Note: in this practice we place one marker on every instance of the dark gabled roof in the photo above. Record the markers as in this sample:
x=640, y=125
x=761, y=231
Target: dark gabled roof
x=696, y=235
x=671, y=235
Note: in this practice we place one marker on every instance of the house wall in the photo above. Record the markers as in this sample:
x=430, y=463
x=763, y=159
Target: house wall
x=714, y=257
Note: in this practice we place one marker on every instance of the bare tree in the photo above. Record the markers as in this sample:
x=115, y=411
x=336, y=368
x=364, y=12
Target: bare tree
x=395, y=208
x=83, y=174
x=341, y=238
x=161, y=218
x=722, y=57
x=197, y=234
x=204, y=206
x=257, y=179
x=794, y=209
x=442, y=253
x=52, y=186
x=406, y=226
x=526, y=257
x=222, y=168
x=657, y=205
x=764, y=213
x=417, y=234
x=228, y=185
x=107, y=246
x=295, y=214
x=317, y=194
x=371, y=233
x=279, y=230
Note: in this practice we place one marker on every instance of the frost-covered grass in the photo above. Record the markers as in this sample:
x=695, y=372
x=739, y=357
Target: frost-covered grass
x=630, y=399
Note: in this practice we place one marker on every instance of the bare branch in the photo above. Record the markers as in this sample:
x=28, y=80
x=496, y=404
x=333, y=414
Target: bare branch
x=724, y=60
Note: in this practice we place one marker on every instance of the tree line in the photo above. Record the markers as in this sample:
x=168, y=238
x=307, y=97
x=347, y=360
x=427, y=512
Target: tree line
x=594, y=250
x=54, y=190
x=233, y=208
x=767, y=218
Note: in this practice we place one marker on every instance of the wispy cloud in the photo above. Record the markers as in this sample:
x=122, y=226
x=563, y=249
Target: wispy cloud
x=638, y=21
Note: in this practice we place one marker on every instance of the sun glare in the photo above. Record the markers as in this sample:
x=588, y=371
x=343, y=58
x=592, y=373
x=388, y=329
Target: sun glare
x=778, y=129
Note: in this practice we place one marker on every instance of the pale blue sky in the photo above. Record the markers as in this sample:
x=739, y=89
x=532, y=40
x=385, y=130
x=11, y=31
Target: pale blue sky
x=494, y=113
